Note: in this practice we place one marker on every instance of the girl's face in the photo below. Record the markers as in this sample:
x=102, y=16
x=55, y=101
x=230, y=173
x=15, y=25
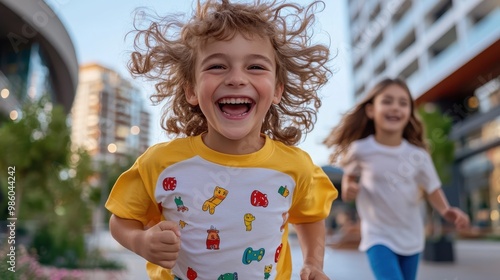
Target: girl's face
x=235, y=85
x=390, y=110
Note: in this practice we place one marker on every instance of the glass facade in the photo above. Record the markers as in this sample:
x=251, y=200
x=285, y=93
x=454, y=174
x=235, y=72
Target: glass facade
x=35, y=59
x=482, y=183
x=481, y=169
x=23, y=75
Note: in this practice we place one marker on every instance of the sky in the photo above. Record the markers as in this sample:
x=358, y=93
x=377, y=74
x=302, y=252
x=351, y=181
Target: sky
x=98, y=29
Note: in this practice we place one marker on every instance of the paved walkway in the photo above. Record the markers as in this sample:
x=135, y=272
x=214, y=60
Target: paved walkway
x=474, y=260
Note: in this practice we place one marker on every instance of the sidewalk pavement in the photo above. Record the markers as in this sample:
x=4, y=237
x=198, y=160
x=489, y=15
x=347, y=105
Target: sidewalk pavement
x=474, y=260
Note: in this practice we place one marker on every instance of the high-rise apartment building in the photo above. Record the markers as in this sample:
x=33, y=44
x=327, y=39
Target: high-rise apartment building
x=449, y=53
x=108, y=115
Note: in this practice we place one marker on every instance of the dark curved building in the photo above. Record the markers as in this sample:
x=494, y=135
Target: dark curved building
x=37, y=56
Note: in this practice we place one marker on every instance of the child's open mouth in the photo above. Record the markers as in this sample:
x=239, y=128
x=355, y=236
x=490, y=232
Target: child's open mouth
x=235, y=107
x=393, y=118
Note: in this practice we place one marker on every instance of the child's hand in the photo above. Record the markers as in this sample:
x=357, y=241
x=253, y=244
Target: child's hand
x=309, y=272
x=161, y=243
x=457, y=217
x=351, y=191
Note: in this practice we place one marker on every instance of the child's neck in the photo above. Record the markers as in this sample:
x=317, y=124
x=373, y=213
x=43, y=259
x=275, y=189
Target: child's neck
x=233, y=147
x=388, y=139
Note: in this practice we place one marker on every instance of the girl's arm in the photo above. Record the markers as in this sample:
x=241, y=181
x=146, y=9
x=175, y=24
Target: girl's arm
x=350, y=187
x=159, y=244
x=452, y=214
x=312, y=243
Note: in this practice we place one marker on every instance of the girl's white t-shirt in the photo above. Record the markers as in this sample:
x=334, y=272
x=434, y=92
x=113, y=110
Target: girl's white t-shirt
x=390, y=198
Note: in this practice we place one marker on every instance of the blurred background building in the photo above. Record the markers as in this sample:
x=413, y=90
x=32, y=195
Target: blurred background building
x=37, y=56
x=449, y=53
x=108, y=116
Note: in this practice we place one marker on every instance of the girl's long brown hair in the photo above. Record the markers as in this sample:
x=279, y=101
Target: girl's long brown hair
x=355, y=124
x=165, y=52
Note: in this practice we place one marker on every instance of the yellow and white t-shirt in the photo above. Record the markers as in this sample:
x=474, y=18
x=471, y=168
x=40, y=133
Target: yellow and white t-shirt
x=232, y=210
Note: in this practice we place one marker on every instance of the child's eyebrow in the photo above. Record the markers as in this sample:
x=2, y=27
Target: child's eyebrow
x=251, y=56
x=259, y=56
x=215, y=55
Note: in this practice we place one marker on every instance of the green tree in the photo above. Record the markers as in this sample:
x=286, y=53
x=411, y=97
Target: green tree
x=437, y=129
x=51, y=182
x=109, y=174
x=439, y=245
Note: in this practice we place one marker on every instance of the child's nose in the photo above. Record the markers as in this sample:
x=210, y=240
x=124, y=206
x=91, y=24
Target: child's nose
x=236, y=77
x=395, y=106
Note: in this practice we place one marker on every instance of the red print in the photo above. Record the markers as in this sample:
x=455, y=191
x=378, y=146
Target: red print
x=169, y=183
x=259, y=199
x=277, y=253
x=191, y=274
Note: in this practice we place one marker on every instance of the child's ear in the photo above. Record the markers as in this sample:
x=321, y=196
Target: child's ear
x=190, y=95
x=369, y=110
x=278, y=93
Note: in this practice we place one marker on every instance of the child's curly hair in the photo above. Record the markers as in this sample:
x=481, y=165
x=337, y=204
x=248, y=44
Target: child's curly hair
x=166, y=52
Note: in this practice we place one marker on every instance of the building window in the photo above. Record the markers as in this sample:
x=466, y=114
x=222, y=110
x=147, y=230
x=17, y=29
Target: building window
x=481, y=11
x=380, y=68
x=406, y=42
x=488, y=95
x=359, y=91
x=448, y=39
x=26, y=73
x=358, y=64
x=441, y=8
x=375, y=12
x=480, y=172
x=409, y=70
x=377, y=41
x=39, y=83
x=401, y=11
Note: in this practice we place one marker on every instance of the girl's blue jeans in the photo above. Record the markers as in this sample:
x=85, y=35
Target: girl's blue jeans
x=387, y=265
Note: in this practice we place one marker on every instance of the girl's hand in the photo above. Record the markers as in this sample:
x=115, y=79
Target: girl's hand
x=309, y=272
x=160, y=244
x=351, y=191
x=457, y=217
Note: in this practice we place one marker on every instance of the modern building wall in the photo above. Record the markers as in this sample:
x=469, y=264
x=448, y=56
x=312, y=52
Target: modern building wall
x=108, y=116
x=449, y=53
x=37, y=56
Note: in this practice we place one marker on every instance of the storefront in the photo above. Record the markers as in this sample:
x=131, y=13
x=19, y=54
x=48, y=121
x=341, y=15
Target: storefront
x=478, y=159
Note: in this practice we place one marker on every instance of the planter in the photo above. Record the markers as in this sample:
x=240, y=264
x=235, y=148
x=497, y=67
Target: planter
x=439, y=250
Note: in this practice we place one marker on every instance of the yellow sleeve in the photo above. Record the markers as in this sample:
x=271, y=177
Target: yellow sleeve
x=132, y=197
x=313, y=197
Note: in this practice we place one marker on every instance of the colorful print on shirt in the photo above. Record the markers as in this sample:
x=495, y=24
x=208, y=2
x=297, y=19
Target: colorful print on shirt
x=208, y=200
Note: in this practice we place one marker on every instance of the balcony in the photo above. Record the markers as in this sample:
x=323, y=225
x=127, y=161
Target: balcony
x=402, y=28
x=487, y=28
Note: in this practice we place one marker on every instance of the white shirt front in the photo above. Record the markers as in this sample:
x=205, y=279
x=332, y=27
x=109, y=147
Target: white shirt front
x=233, y=211
x=390, y=199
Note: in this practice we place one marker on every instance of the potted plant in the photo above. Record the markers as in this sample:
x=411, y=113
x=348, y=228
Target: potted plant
x=439, y=242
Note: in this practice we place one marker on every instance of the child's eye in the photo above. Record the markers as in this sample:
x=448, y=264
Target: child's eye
x=215, y=66
x=256, y=67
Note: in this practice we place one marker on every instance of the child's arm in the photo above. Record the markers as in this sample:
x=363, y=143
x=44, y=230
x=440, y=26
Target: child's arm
x=312, y=243
x=452, y=214
x=350, y=187
x=159, y=244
